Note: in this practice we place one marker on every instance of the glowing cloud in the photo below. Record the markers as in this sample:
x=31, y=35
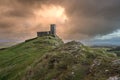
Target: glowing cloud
x=51, y=14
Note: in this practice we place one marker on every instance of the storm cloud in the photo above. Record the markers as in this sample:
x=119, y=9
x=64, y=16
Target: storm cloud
x=85, y=18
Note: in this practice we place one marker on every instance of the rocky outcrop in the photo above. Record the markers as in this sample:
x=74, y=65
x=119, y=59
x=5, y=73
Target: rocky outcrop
x=114, y=78
x=116, y=62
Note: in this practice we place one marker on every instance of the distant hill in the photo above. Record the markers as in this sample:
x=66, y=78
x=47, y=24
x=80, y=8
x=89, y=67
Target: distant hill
x=115, y=50
x=6, y=44
x=48, y=58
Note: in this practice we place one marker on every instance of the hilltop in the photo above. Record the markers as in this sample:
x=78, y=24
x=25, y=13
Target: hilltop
x=48, y=58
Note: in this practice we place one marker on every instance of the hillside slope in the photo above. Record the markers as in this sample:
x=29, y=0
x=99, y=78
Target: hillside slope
x=74, y=61
x=15, y=60
x=47, y=58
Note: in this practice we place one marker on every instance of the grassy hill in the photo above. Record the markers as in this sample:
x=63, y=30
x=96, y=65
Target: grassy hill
x=15, y=60
x=48, y=58
x=74, y=61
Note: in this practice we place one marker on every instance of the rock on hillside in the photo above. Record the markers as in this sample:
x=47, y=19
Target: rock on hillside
x=74, y=61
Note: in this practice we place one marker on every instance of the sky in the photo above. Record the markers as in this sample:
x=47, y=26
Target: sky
x=89, y=20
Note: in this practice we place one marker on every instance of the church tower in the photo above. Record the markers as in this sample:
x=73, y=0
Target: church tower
x=53, y=29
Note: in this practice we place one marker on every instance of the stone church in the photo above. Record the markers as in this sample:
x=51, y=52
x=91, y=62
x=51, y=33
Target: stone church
x=51, y=32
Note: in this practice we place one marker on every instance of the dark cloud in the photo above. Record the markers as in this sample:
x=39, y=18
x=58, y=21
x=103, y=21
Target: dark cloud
x=93, y=17
x=86, y=18
x=4, y=25
x=19, y=13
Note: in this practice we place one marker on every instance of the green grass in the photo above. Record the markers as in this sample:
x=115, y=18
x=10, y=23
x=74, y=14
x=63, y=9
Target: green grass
x=15, y=60
x=71, y=61
x=47, y=58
